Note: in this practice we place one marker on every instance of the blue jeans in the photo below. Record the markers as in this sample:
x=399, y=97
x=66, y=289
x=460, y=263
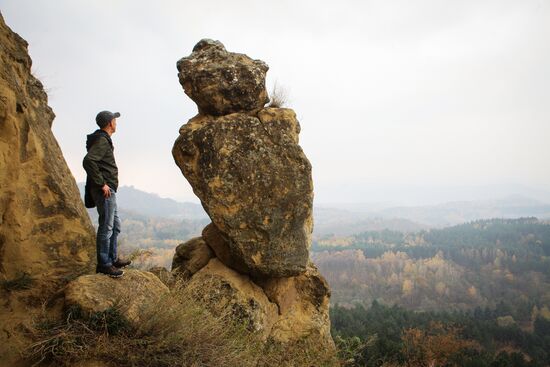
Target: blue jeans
x=108, y=229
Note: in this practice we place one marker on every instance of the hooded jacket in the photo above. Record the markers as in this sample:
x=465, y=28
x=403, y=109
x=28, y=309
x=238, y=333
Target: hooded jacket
x=100, y=163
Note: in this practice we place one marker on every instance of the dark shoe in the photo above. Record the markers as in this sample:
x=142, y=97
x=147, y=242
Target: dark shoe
x=121, y=263
x=110, y=271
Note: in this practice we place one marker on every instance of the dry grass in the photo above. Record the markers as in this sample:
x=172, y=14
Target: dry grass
x=176, y=330
x=304, y=352
x=278, y=97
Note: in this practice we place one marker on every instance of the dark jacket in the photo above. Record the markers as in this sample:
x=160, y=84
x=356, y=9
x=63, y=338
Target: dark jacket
x=100, y=163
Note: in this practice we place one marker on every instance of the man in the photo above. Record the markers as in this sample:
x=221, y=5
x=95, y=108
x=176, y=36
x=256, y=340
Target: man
x=101, y=186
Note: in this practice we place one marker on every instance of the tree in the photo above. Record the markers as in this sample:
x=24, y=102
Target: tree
x=439, y=345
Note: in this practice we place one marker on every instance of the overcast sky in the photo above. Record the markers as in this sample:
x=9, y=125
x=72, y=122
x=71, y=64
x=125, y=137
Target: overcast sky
x=402, y=101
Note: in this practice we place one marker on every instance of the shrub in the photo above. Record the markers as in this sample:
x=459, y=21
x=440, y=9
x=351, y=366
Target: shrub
x=22, y=281
x=278, y=97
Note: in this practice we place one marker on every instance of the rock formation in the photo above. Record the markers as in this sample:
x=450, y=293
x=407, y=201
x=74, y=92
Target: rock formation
x=46, y=237
x=97, y=293
x=246, y=166
x=222, y=82
x=244, y=163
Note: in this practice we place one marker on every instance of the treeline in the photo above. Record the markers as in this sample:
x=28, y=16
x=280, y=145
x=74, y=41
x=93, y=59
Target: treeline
x=520, y=236
x=394, y=336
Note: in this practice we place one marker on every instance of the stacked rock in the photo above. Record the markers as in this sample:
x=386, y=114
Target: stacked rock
x=244, y=163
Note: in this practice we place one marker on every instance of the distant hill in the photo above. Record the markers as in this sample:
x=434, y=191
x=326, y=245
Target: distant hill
x=340, y=222
x=143, y=203
x=327, y=220
x=453, y=213
x=345, y=219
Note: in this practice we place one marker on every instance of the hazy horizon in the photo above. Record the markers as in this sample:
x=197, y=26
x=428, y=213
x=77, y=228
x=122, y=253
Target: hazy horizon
x=405, y=102
x=469, y=194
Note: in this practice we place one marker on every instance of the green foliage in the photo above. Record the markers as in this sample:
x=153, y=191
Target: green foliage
x=350, y=349
x=380, y=331
x=490, y=279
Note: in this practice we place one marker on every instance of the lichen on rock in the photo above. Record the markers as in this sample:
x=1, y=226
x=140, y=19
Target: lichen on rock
x=255, y=183
x=222, y=82
x=229, y=293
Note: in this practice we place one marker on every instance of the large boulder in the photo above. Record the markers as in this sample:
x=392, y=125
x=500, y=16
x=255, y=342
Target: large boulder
x=222, y=82
x=228, y=293
x=254, y=181
x=129, y=294
x=46, y=236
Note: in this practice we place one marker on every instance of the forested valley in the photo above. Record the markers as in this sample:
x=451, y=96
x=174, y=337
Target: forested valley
x=476, y=294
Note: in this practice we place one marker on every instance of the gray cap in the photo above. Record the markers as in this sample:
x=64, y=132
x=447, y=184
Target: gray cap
x=104, y=117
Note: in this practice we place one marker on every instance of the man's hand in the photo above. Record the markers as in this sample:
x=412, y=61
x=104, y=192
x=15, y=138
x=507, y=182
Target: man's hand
x=106, y=191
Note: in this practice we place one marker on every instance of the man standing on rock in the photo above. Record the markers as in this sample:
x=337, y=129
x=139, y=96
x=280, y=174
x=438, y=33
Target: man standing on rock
x=100, y=191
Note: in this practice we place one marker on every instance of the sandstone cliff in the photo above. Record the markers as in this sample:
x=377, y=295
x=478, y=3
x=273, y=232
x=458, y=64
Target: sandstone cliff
x=46, y=237
x=244, y=163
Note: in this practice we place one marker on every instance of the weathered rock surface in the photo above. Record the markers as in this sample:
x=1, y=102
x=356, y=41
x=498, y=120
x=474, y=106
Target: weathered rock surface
x=191, y=256
x=255, y=183
x=222, y=82
x=227, y=291
x=303, y=305
x=130, y=293
x=45, y=230
x=282, y=310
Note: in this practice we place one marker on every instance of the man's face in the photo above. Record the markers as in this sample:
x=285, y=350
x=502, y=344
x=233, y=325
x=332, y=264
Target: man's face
x=113, y=125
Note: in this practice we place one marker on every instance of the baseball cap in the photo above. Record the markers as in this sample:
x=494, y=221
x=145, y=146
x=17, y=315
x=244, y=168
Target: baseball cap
x=104, y=117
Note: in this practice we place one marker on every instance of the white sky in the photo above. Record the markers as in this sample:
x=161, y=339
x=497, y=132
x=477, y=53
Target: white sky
x=404, y=101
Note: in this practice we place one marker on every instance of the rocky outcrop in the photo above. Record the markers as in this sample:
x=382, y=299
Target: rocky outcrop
x=244, y=163
x=254, y=181
x=129, y=295
x=45, y=230
x=222, y=82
